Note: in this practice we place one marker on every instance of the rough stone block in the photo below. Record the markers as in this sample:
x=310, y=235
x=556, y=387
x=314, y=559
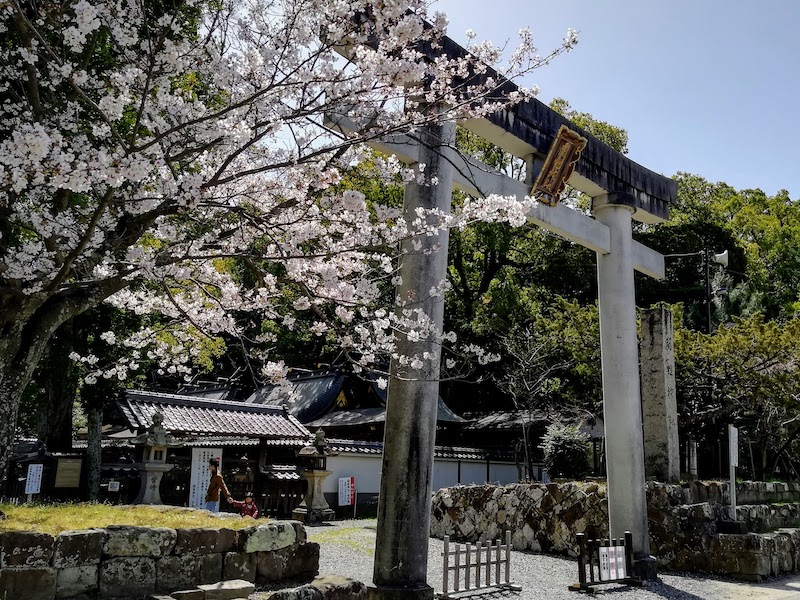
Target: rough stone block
x=205, y=541
x=228, y=590
x=288, y=562
x=196, y=594
x=264, y=538
x=176, y=573
x=25, y=549
x=332, y=587
x=755, y=565
x=77, y=548
x=31, y=584
x=210, y=568
x=123, y=540
x=74, y=581
x=300, y=531
x=239, y=565
x=127, y=577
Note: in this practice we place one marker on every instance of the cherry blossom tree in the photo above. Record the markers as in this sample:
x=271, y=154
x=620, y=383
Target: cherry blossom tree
x=151, y=150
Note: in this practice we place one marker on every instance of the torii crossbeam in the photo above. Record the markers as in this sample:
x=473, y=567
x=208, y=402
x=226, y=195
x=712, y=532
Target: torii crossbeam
x=621, y=190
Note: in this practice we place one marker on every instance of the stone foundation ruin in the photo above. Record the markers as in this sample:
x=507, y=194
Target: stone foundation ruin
x=683, y=522
x=124, y=561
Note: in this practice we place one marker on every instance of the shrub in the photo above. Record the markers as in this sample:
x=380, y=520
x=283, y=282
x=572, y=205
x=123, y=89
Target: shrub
x=566, y=451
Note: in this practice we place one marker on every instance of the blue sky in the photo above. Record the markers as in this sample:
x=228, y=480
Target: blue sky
x=706, y=86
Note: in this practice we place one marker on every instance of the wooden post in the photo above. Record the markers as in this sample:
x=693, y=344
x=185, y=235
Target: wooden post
x=457, y=577
x=628, y=554
x=508, y=557
x=581, y=559
x=467, y=566
x=446, y=570
x=497, y=561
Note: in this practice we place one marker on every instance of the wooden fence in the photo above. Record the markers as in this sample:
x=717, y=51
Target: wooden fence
x=478, y=566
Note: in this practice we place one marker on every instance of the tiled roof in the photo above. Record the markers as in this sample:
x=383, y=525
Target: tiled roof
x=451, y=452
x=281, y=472
x=315, y=394
x=512, y=419
x=443, y=412
x=347, y=418
x=201, y=442
x=187, y=415
x=371, y=416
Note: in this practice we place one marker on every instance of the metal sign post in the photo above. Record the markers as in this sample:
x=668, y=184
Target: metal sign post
x=347, y=493
x=33, y=482
x=733, y=451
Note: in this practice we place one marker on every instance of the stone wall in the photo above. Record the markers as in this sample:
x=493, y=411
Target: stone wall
x=682, y=520
x=130, y=562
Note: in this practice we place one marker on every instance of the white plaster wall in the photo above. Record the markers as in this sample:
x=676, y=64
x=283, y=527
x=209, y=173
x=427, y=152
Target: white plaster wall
x=503, y=473
x=445, y=473
x=473, y=472
x=366, y=468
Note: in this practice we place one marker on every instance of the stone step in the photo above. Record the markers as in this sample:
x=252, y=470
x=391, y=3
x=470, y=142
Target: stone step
x=189, y=595
x=233, y=589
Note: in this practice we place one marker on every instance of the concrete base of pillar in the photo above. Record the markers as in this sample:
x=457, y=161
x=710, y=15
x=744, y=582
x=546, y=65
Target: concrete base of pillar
x=314, y=515
x=645, y=568
x=376, y=592
x=732, y=527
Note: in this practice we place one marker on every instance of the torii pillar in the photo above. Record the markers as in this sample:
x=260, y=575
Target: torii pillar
x=622, y=407
x=401, y=547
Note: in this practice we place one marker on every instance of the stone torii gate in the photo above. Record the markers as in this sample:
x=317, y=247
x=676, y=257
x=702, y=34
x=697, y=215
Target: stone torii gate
x=621, y=190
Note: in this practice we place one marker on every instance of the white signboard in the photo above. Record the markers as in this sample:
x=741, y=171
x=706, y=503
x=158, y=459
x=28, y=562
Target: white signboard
x=113, y=486
x=733, y=445
x=347, y=491
x=33, y=483
x=200, y=477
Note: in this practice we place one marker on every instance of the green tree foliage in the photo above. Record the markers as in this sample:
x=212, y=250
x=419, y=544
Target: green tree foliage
x=746, y=373
x=762, y=235
x=566, y=451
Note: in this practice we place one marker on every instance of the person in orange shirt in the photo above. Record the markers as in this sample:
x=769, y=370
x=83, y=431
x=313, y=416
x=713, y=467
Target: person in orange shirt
x=215, y=487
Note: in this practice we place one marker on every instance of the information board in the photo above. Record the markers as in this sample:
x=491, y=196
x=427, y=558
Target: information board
x=200, y=477
x=113, y=486
x=68, y=473
x=33, y=483
x=347, y=491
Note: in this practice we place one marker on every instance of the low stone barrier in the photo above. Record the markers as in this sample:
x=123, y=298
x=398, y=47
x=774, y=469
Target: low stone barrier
x=130, y=562
x=331, y=587
x=683, y=533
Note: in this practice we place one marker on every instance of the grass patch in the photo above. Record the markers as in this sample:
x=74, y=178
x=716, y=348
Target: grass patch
x=55, y=518
x=352, y=537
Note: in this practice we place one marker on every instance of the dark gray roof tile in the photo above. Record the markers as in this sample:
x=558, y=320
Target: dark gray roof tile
x=204, y=416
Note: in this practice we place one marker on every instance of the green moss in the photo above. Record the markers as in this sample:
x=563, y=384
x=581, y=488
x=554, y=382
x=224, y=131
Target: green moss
x=55, y=518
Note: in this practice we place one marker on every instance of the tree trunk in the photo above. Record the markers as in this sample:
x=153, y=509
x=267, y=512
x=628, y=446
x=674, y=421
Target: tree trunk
x=26, y=327
x=94, y=451
x=15, y=373
x=60, y=390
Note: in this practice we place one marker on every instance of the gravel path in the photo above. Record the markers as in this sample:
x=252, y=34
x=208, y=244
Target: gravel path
x=347, y=548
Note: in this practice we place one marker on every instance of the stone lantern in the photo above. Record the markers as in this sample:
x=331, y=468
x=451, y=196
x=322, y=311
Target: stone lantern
x=312, y=467
x=156, y=441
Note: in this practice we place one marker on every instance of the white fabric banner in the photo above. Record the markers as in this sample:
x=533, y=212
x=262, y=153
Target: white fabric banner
x=198, y=483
